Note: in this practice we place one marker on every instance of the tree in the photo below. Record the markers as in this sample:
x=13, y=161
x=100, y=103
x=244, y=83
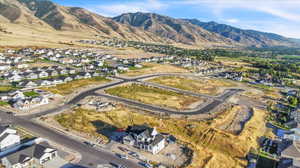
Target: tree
x=293, y=101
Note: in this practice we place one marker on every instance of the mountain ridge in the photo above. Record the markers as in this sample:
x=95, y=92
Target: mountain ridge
x=145, y=27
x=249, y=38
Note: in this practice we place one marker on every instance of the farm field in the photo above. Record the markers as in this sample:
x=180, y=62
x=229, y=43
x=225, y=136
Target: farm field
x=70, y=87
x=203, y=86
x=212, y=147
x=152, y=68
x=154, y=96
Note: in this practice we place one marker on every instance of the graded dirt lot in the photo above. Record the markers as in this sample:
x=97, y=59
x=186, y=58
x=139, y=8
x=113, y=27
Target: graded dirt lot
x=154, y=96
x=203, y=86
x=70, y=87
x=233, y=119
x=152, y=68
x=212, y=147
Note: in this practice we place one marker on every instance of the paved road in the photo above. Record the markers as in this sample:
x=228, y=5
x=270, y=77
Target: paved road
x=176, y=90
x=84, y=94
x=90, y=156
x=202, y=110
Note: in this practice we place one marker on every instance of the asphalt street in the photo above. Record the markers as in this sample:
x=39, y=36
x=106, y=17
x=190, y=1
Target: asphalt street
x=206, y=109
x=91, y=156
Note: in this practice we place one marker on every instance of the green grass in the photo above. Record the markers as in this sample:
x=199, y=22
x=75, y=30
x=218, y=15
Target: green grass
x=2, y=103
x=7, y=88
x=289, y=57
x=31, y=94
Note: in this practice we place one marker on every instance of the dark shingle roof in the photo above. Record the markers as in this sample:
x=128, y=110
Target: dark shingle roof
x=34, y=151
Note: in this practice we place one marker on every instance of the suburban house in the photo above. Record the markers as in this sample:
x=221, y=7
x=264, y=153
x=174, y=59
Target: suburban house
x=30, y=102
x=8, y=138
x=37, y=154
x=145, y=138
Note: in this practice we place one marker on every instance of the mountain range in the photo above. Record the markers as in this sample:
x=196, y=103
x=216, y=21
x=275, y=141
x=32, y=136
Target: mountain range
x=44, y=18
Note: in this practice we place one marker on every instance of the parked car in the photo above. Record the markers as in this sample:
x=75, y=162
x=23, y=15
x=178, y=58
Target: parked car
x=122, y=156
x=89, y=144
x=146, y=165
x=134, y=154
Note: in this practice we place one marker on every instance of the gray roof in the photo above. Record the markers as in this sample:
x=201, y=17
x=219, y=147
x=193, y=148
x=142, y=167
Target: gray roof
x=34, y=151
x=4, y=136
x=3, y=128
x=157, y=139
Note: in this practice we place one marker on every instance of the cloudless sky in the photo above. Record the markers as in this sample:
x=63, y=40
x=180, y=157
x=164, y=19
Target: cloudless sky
x=276, y=16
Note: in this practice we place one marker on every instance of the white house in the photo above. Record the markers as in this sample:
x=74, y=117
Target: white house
x=20, y=66
x=28, y=103
x=8, y=138
x=4, y=67
x=145, y=138
x=38, y=154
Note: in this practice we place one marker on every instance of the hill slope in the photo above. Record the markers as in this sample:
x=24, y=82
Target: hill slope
x=193, y=31
x=42, y=20
x=174, y=29
x=46, y=15
x=246, y=37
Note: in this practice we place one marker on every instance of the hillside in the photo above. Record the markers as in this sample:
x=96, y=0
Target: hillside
x=174, y=29
x=42, y=22
x=193, y=31
x=247, y=37
x=27, y=17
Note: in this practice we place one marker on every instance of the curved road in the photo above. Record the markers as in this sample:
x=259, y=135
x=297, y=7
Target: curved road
x=91, y=156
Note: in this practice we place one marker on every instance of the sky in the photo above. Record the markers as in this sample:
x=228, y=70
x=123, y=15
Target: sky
x=276, y=16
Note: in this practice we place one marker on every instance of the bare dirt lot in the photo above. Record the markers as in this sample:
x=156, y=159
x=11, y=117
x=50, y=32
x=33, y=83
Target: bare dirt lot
x=203, y=86
x=233, y=119
x=155, y=96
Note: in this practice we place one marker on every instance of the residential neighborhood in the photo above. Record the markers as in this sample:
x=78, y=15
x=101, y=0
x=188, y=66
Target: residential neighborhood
x=34, y=152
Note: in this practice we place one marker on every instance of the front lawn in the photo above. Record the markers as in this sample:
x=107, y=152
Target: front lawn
x=31, y=94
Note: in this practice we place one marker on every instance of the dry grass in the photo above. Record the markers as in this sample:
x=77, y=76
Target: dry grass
x=80, y=121
x=226, y=116
x=152, y=68
x=262, y=92
x=213, y=148
x=28, y=35
x=203, y=86
x=129, y=53
x=155, y=96
x=70, y=87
